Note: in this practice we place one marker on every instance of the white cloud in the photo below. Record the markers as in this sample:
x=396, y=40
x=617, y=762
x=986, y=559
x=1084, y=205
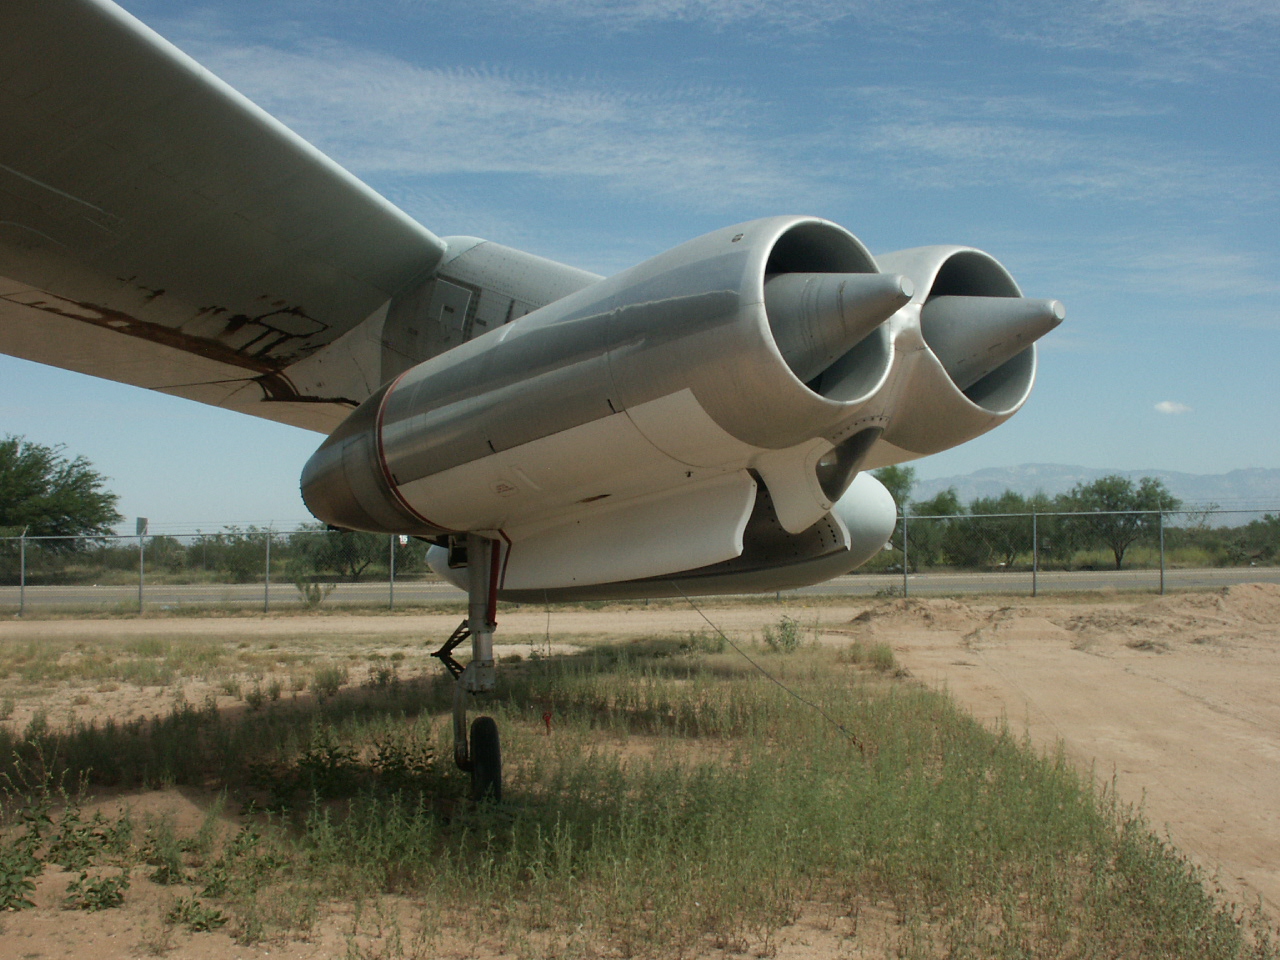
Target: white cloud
x=1063, y=147
x=1172, y=406
x=381, y=115
x=1165, y=38
x=705, y=146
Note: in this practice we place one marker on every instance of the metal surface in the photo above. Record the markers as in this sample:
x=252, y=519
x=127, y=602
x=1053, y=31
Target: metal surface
x=689, y=323
x=972, y=336
x=482, y=562
x=817, y=318
x=150, y=213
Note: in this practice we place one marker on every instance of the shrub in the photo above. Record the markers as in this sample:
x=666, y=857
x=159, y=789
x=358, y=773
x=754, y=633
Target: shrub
x=785, y=637
x=328, y=680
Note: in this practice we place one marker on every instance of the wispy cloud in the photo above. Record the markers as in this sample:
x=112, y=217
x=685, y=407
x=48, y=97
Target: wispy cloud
x=1070, y=147
x=1160, y=34
x=1207, y=31
x=1172, y=407
x=378, y=114
x=712, y=147
x=1194, y=268
x=628, y=14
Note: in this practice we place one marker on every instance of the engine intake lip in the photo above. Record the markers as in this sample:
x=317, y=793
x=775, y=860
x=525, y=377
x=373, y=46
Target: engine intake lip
x=966, y=272
x=819, y=246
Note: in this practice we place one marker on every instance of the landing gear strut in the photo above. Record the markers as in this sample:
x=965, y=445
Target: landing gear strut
x=479, y=754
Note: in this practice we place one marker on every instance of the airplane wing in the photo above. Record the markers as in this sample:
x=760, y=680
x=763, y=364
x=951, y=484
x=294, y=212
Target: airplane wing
x=159, y=229
x=707, y=415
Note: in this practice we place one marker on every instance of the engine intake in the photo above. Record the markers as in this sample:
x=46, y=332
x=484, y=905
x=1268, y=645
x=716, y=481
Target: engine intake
x=816, y=318
x=972, y=336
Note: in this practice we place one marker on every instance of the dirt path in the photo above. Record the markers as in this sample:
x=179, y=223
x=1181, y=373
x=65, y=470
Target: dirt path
x=1177, y=698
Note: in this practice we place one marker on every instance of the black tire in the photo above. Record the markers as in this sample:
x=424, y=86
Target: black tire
x=486, y=760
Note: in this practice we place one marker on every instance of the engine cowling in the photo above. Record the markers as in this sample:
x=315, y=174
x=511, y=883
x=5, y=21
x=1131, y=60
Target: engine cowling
x=634, y=428
x=857, y=528
x=969, y=359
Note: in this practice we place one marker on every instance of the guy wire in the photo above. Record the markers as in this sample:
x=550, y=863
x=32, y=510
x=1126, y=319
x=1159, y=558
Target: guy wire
x=849, y=735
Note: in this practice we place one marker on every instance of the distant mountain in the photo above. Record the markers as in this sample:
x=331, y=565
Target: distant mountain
x=1251, y=489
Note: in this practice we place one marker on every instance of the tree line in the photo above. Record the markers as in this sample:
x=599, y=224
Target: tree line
x=231, y=555
x=1109, y=515
x=44, y=493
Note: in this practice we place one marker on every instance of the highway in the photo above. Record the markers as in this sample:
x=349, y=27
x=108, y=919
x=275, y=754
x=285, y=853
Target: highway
x=124, y=598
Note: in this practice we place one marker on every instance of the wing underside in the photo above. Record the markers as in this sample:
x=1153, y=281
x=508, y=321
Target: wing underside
x=158, y=229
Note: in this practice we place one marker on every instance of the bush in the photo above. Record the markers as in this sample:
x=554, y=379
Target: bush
x=328, y=680
x=785, y=637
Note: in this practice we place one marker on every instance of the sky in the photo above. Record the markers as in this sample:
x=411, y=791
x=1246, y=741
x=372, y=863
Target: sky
x=1119, y=155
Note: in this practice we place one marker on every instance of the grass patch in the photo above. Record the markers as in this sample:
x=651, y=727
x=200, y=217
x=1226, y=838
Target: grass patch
x=142, y=661
x=678, y=802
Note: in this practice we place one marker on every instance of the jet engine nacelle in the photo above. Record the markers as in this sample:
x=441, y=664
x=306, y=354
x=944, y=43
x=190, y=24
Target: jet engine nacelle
x=966, y=356
x=653, y=422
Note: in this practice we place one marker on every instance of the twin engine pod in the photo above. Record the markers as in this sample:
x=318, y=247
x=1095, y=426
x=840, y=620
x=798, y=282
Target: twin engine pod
x=648, y=421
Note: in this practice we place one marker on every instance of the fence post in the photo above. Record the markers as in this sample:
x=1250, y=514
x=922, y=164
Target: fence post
x=141, y=528
x=266, y=580
x=904, y=553
x=22, y=572
x=1162, y=552
x=391, y=576
x=1035, y=552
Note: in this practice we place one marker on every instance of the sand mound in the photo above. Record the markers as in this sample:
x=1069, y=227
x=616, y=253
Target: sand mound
x=1259, y=602
x=939, y=614
x=1251, y=602
x=1012, y=625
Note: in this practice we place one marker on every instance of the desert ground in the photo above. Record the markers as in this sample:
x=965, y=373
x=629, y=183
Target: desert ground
x=1174, y=702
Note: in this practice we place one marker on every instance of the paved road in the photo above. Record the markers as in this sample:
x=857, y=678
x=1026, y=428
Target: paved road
x=285, y=595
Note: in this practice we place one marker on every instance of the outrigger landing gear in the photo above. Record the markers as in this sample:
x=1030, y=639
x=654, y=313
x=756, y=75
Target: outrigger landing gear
x=481, y=753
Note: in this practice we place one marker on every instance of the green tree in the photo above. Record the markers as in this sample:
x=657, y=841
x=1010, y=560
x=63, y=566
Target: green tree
x=1121, y=504
x=315, y=550
x=928, y=539
x=995, y=537
x=51, y=495
x=898, y=480
x=235, y=554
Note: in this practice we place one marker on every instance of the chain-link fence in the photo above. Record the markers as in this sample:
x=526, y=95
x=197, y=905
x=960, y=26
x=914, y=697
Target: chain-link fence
x=1033, y=552
x=252, y=567
x=1026, y=553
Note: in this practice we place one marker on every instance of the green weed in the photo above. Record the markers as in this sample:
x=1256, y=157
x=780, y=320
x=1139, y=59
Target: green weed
x=194, y=915
x=162, y=850
x=18, y=865
x=96, y=892
x=312, y=593
x=327, y=681
x=783, y=637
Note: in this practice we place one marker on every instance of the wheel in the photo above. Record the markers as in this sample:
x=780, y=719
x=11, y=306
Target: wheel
x=486, y=760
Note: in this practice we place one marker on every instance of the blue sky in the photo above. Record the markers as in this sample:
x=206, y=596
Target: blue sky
x=1120, y=155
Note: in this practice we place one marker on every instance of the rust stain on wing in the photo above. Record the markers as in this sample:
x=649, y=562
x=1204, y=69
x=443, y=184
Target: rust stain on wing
x=275, y=385
x=121, y=322
x=278, y=387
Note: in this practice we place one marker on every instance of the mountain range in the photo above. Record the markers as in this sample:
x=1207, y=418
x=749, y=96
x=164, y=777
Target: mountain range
x=1254, y=488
